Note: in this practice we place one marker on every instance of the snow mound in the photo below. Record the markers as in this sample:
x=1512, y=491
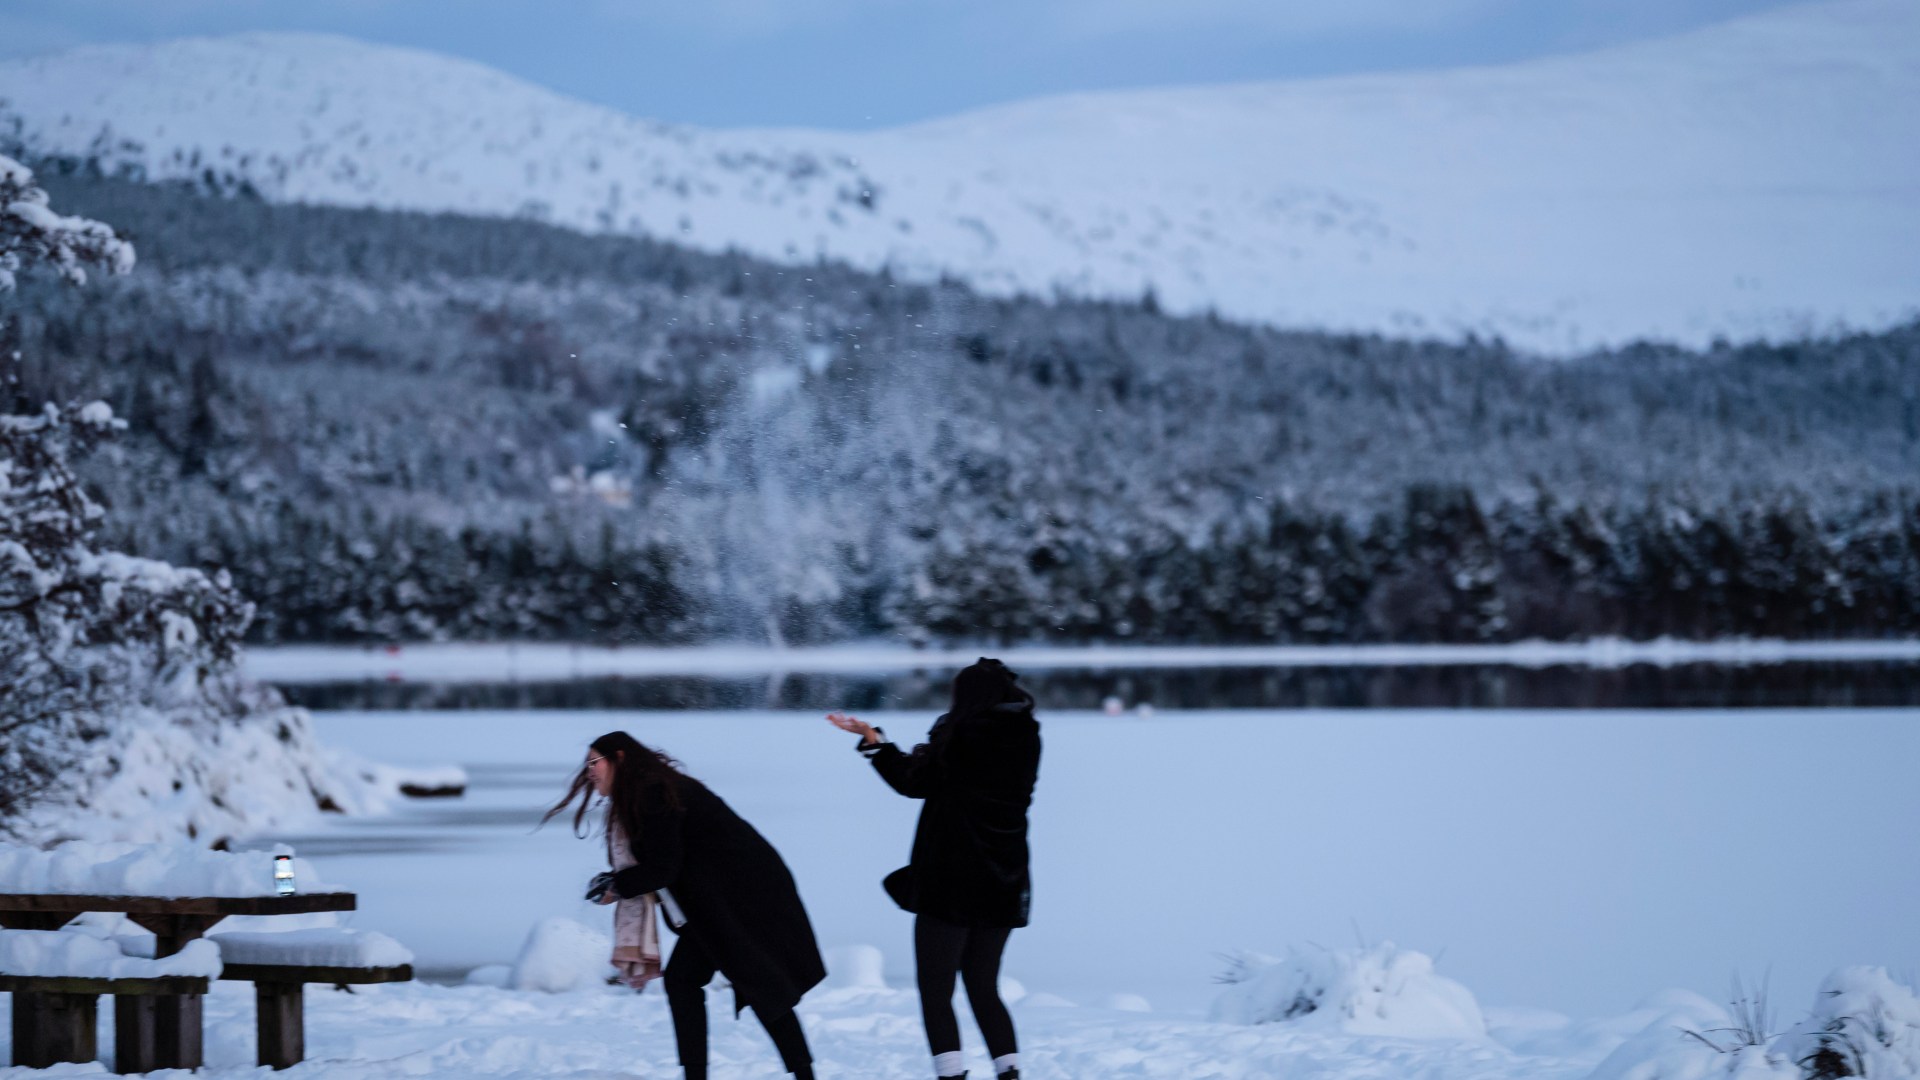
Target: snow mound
x=856, y=967
x=127, y=869
x=76, y=954
x=313, y=948
x=1663, y=1049
x=1381, y=990
x=562, y=955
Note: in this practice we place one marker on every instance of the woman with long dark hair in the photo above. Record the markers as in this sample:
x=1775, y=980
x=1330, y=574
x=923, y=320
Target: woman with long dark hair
x=967, y=883
x=724, y=889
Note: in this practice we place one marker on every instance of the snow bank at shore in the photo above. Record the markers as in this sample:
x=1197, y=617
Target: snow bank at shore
x=162, y=778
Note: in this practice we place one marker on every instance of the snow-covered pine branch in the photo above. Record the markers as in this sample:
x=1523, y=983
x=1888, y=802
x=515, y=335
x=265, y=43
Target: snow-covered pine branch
x=32, y=234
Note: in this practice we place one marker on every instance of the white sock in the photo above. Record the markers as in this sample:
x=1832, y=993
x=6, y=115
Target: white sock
x=951, y=1063
x=1004, y=1062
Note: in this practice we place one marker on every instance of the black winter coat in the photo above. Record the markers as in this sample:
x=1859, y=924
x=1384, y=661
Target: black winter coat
x=976, y=774
x=738, y=897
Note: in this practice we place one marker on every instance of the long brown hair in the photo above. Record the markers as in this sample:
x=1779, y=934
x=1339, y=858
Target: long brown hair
x=638, y=771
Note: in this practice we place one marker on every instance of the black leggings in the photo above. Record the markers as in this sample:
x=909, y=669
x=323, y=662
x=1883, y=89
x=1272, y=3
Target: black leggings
x=689, y=970
x=940, y=951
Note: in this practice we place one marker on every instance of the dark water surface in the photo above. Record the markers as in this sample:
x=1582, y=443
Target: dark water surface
x=1797, y=684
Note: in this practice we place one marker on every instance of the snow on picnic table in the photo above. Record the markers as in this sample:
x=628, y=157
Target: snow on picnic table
x=313, y=948
x=86, y=868
x=75, y=954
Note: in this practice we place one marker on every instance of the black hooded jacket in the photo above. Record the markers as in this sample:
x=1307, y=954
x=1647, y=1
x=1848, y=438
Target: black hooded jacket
x=739, y=899
x=976, y=773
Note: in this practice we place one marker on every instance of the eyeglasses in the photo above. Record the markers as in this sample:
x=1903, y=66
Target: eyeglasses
x=594, y=760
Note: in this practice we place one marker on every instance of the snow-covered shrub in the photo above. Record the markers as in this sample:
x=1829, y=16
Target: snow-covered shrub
x=1863, y=1023
x=122, y=713
x=1380, y=990
x=562, y=955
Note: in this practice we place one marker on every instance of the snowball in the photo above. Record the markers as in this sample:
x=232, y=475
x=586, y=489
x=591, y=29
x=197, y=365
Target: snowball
x=1011, y=989
x=561, y=955
x=1383, y=990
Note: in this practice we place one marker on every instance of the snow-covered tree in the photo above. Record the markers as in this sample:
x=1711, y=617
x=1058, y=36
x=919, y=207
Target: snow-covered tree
x=122, y=713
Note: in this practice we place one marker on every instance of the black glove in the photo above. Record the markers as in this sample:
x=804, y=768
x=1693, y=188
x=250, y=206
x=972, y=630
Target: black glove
x=598, y=887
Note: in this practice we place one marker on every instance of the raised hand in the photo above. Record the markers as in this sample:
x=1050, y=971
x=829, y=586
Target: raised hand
x=855, y=726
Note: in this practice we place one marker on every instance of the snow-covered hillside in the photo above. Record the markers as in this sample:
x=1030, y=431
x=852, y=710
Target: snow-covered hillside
x=1757, y=177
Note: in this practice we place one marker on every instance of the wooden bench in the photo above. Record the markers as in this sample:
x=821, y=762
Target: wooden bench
x=55, y=1018
x=279, y=991
x=166, y=1028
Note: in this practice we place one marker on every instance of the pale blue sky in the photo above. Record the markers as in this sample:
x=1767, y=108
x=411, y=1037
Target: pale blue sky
x=873, y=63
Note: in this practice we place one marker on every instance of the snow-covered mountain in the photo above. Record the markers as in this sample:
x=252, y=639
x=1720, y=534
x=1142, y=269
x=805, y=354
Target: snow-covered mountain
x=1757, y=177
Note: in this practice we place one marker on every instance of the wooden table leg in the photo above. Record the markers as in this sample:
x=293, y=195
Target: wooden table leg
x=161, y=1032
x=282, y=1023
x=46, y=1026
x=49, y=1029
x=136, y=1043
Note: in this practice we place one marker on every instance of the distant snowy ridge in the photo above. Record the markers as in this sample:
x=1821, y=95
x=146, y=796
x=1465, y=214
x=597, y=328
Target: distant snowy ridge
x=1755, y=178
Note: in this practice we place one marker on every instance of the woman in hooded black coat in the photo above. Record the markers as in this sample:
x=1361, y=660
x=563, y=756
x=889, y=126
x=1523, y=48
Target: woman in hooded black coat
x=725, y=890
x=967, y=882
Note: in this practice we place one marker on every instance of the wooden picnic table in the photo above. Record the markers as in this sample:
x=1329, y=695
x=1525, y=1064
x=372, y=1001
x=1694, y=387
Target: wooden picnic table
x=156, y=1031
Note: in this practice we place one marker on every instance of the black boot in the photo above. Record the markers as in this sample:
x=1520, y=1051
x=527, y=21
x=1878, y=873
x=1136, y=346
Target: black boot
x=1010, y=1074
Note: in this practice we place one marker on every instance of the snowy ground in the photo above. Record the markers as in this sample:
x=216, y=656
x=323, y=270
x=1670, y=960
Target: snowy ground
x=457, y=1032
x=1576, y=862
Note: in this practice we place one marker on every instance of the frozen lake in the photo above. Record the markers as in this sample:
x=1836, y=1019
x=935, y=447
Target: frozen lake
x=1598, y=674
x=1576, y=860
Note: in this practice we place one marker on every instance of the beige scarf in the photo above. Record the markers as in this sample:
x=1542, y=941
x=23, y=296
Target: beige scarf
x=636, y=924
